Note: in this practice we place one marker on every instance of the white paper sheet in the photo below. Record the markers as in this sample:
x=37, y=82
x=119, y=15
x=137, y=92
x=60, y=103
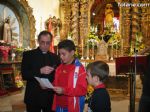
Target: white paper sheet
x=44, y=83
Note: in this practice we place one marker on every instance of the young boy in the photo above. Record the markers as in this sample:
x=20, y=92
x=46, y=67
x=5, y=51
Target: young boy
x=97, y=72
x=70, y=81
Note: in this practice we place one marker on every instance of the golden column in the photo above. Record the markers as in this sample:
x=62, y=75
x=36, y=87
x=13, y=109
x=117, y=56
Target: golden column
x=134, y=22
x=75, y=22
x=83, y=20
x=126, y=25
x=145, y=21
x=65, y=15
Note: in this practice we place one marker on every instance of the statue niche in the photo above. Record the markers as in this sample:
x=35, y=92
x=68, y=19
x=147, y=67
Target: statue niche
x=9, y=26
x=109, y=15
x=104, y=14
x=54, y=25
x=21, y=22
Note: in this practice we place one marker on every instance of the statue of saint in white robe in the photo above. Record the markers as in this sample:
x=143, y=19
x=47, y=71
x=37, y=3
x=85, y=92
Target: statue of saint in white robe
x=7, y=33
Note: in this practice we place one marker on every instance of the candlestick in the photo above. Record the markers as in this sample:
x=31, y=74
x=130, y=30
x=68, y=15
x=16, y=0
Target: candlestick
x=122, y=47
x=111, y=58
x=116, y=49
x=93, y=50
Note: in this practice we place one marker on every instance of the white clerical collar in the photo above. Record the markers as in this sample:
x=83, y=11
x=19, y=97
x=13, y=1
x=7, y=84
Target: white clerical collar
x=44, y=52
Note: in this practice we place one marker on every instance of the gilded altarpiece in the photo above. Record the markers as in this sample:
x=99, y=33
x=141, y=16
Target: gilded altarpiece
x=134, y=20
x=74, y=17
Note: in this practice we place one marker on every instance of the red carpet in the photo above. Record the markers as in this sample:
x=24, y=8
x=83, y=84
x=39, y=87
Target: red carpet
x=13, y=89
x=3, y=92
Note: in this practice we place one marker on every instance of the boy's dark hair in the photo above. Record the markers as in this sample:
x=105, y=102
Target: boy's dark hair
x=99, y=68
x=67, y=45
x=44, y=33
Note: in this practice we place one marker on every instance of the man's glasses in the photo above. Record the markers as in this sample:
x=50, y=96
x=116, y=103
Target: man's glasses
x=45, y=42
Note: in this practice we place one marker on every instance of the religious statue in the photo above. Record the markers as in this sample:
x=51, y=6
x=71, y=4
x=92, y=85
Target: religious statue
x=109, y=14
x=7, y=32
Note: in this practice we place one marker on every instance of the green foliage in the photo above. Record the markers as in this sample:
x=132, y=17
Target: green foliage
x=77, y=54
x=93, y=36
x=92, y=39
x=137, y=44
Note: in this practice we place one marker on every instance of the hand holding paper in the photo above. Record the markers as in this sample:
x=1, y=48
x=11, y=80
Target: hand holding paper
x=59, y=90
x=44, y=83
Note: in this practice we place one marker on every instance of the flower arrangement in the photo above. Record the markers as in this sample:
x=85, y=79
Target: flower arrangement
x=92, y=39
x=19, y=81
x=115, y=40
x=18, y=51
x=137, y=45
x=90, y=90
x=5, y=52
x=77, y=53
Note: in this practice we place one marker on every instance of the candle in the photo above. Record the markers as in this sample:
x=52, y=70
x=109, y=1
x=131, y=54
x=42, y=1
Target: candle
x=82, y=48
x=93, y=45
x=122, y=47
x=87, y=51
x=97, y=44
x=112, y=48
x=116, y=49
x=122, y=43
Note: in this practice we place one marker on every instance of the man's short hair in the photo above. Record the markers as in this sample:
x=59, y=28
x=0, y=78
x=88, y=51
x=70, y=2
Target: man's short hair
x=99, y=68
x=67, y=45
x=44, y=33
